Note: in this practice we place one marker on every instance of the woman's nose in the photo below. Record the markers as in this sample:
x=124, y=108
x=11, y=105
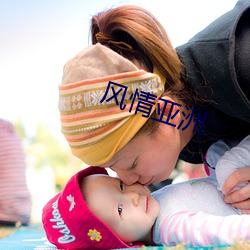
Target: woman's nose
x=126, y=177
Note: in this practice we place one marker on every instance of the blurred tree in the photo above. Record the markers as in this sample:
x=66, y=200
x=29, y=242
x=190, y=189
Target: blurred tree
x=20, y=130
x=45, y=150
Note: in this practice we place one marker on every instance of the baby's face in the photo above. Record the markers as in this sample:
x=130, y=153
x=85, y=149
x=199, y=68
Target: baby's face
x=130, y=211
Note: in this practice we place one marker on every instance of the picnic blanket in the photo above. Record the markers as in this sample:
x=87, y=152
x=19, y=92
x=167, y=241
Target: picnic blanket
x=33, y=238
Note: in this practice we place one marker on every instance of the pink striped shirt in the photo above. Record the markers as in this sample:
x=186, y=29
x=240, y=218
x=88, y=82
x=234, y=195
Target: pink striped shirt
x=202, y=229
x=15, y=200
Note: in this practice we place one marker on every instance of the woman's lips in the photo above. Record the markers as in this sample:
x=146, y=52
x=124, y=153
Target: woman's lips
x=148, y=183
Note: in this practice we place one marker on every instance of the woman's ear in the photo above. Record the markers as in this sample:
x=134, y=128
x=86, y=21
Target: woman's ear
x=166, y=106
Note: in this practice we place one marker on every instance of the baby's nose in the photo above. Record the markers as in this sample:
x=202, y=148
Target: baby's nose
x=133, y=197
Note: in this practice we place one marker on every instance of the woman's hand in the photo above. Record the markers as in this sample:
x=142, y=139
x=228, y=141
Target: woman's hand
x=241, y=197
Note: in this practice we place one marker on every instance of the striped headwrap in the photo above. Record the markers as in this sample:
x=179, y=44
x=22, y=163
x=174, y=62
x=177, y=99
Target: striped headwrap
x=94, y=127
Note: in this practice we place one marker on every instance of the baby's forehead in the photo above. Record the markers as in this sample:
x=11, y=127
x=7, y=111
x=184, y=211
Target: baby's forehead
x=99, y=177
x=99, y=183
x=96, y=182
x=95, y=176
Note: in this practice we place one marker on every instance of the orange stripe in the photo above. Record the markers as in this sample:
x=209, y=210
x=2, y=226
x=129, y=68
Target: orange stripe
x=89, y=135
x=102, y=79
x=97, y=113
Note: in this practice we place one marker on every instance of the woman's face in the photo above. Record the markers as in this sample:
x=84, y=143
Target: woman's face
x=147, y=159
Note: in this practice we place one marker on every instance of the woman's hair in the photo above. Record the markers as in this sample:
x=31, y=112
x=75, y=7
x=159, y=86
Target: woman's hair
x=137, y=35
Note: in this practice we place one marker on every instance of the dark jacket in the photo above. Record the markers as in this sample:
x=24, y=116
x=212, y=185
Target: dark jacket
x=217, y=66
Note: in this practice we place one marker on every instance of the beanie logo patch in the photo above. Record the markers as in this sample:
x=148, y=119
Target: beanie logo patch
x=94, y=235
x=60, y=224
x=71, y=201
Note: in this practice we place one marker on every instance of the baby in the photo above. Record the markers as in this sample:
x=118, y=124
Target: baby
x=96, y=211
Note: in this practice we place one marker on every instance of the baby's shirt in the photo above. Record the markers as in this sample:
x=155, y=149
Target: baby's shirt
x=194, y=212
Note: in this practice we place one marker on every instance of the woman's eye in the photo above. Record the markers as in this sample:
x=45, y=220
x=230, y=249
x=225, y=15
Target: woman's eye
x=121, y=186
x=120, y=206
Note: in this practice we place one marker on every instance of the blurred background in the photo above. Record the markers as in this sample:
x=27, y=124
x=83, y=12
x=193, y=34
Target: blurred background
x=36, y=40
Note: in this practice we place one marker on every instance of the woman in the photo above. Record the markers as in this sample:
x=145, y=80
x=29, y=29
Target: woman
x=208, y=76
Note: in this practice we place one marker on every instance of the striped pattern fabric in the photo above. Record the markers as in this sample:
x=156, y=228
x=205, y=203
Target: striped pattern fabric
x=94, y=119
x=86, y=120
x=15, y=200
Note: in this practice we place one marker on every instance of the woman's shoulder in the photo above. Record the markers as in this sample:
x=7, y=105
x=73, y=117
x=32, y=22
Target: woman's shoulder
x=209, y=65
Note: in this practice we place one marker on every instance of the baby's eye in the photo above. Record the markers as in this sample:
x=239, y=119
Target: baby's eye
x=121, y=186
x=120, y=206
